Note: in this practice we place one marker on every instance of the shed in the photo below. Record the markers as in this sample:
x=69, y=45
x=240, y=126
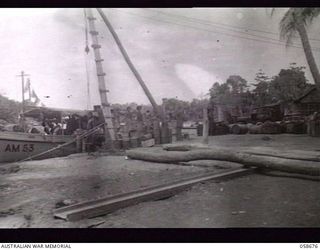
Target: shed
x=306, y=104
x=271, y=112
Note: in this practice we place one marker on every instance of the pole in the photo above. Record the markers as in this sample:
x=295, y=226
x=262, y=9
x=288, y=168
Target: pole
x=22, y=86
x=205, y=133
x=130, y=64
x=109, y=129
x=29, y=89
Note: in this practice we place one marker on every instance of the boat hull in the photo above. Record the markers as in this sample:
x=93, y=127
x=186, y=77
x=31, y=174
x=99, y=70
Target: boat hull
x=19, y=146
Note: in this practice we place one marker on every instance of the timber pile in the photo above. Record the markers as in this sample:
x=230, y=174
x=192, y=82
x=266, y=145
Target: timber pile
x=311, y=166
x=219, y=128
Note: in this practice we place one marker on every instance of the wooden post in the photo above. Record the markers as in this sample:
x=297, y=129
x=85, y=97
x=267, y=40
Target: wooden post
x=156, y=131
x=22, y=121
x=83, y=144
x=78, y=144
x=205, y=133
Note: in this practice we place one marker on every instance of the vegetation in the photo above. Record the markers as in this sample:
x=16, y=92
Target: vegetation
x=295, y=21
x=288, y=85
x=9, y=110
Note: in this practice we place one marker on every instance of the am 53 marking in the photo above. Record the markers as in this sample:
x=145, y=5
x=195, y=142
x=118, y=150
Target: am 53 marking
x=19, y=148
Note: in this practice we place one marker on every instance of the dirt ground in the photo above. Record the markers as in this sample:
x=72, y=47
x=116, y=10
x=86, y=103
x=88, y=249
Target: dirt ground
x=29, y=196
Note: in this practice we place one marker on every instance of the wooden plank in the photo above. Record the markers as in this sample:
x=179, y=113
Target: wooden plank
x=107, y=205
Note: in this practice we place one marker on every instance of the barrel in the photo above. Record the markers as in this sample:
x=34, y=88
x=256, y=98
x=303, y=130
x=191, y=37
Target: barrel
x=255, y=129
x=220, y=129
x=239, y=129
x=270, y=128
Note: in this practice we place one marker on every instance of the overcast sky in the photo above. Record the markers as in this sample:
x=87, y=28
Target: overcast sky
x=179, y=52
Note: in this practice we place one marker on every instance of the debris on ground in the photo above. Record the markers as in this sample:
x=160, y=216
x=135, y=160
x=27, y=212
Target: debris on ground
x=7, y=212
x=64, y=203
x=9, y=169
x=266, y=138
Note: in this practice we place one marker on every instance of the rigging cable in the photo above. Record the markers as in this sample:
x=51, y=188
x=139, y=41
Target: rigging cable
x=215, y=32
x=224, y=25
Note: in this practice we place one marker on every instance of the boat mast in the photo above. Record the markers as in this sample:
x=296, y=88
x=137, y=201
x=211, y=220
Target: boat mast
x=106, y=109
x=22, y=86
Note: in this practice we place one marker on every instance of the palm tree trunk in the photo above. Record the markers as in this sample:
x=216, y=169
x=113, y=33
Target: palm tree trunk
x=309, y=56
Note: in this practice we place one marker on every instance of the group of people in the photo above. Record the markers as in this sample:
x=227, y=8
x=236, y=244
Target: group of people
x=51, y=126
x=138, y=122
x=128, y=123
x=71, y=123
x=132, y=122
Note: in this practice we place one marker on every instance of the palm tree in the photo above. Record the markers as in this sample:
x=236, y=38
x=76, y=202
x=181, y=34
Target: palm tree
x=295, y=21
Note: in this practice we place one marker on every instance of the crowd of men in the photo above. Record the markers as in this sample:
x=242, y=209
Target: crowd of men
x=70, y=124
x=133, y=122
x=128, y=123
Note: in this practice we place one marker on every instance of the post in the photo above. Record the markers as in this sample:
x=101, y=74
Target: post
x=29, y=89
x=78, y=143
x=23, y=101
x=22, y=88
x=22, y=85
x=205, y=133
x=105, y=105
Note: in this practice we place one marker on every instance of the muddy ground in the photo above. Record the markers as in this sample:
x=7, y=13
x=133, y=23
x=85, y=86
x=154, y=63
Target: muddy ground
x=30, y=193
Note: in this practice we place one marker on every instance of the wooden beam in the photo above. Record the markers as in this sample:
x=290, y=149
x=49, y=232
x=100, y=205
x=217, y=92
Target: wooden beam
x=107, y=205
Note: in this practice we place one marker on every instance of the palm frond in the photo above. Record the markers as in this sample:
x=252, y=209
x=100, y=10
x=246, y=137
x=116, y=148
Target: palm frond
x=307, y=15
x=288, y=26
x=273, y=10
